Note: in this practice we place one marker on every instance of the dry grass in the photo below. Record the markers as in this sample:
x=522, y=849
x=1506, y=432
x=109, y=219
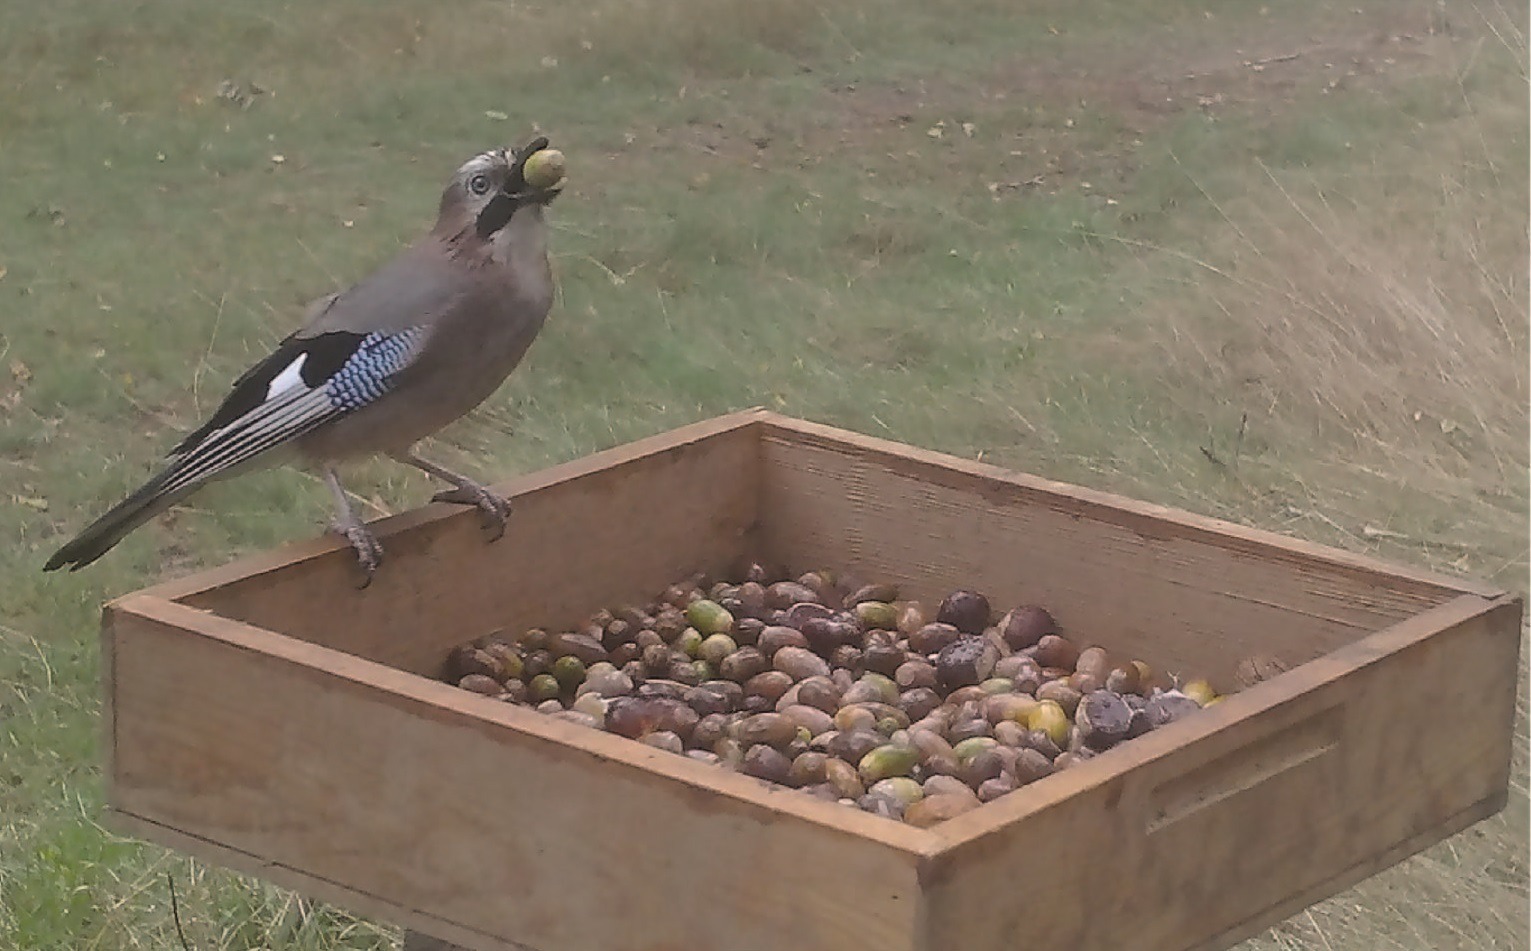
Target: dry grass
x=1358, y=355
x=1373, y=352
x=854, y=269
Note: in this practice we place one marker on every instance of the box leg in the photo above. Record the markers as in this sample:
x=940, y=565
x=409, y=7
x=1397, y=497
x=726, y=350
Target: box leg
x=415, y=941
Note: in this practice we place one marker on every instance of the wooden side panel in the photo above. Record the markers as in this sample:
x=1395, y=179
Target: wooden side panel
x=482, y=823
x=1197, y=835
x=614, y=527
x=332, y=768
x=1140, y=579
x=335, y=893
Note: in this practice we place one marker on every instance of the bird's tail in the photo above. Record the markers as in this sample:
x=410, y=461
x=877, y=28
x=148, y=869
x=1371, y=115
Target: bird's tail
x=105, y=532
x=251, y=441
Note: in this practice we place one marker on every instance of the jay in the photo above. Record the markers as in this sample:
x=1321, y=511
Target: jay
x=376, y=368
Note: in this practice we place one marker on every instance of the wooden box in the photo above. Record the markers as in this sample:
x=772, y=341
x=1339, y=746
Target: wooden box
x=269, y=717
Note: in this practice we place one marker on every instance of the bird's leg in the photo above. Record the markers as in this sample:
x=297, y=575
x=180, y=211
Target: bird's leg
x=466, y=492
x=369, y=553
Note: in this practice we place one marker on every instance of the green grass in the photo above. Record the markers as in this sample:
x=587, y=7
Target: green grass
x=1281, y=266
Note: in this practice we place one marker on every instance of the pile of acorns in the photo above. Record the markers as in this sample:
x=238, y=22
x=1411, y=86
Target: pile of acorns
x=851, y=695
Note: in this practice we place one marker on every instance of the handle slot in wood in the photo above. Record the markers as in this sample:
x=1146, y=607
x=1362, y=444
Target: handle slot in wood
x=1243, y=769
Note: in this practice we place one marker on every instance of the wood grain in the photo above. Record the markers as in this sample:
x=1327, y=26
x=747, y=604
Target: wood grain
x=614, y=527
x=341, y=896
x=1380, y=769
x=1373, y=864
x=267, y=717
x=1154, y=520
x=496, y=819
x=1193, y=595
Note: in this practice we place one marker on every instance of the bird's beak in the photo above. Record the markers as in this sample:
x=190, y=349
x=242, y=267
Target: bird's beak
x=515, y=194
x=537, y=196
x=515, y=183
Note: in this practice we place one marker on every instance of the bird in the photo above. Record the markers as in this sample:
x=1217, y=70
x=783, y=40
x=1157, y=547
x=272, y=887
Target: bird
x=374, y=369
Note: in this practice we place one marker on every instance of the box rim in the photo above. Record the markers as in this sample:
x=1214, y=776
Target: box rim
x=493, y=717
x=970, y=830
x=930, y=848
x=300, y=551
x=1110, y=507
x=164, y=601
x=1098, y=505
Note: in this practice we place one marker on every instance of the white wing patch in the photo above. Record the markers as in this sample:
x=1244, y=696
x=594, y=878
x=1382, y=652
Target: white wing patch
x=288, y=378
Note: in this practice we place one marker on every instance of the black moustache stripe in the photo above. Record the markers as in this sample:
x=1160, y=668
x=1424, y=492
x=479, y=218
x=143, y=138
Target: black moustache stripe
x=496, y=214
x=498, y=210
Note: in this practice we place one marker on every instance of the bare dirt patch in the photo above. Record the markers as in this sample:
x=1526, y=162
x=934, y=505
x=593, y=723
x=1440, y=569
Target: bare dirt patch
x=1024, y=119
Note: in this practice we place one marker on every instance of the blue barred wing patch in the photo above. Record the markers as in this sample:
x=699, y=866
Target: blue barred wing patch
x=366, y=374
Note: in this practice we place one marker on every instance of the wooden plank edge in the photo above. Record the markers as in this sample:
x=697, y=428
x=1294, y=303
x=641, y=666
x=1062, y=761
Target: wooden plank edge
x=1355, y=874
x=971, y=829
x=362, y=903
x=1129, y=512
x=343, y=896
x=308, y=549
x=450, y=704
x=107, y=728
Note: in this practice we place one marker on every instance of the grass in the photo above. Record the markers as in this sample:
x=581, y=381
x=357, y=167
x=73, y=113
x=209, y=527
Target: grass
x=1163, y=256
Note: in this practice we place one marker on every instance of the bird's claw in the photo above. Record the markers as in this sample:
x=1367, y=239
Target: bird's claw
x=369, y=551
x=494, y=508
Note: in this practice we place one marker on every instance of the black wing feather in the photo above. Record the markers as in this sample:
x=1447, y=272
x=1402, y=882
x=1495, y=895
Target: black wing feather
x=327, y=352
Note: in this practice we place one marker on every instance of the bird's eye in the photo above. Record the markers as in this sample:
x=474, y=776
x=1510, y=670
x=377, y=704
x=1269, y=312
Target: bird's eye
x=478, y=184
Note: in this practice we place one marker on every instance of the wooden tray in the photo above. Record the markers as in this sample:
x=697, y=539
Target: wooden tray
x=268, y=717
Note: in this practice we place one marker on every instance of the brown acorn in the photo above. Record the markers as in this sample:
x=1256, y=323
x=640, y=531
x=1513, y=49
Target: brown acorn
x=1024, y=626
x=967, y=611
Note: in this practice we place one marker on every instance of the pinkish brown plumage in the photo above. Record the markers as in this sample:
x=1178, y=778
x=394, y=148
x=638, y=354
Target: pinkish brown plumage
x=374, y=369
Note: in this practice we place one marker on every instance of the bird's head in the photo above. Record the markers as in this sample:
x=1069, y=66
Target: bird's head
x=490, y=189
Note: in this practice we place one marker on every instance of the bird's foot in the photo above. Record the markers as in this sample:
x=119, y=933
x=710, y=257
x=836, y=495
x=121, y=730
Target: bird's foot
x=369, y=551
x=494, y=508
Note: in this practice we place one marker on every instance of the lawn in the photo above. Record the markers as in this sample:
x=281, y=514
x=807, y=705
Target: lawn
x=1264, y=262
